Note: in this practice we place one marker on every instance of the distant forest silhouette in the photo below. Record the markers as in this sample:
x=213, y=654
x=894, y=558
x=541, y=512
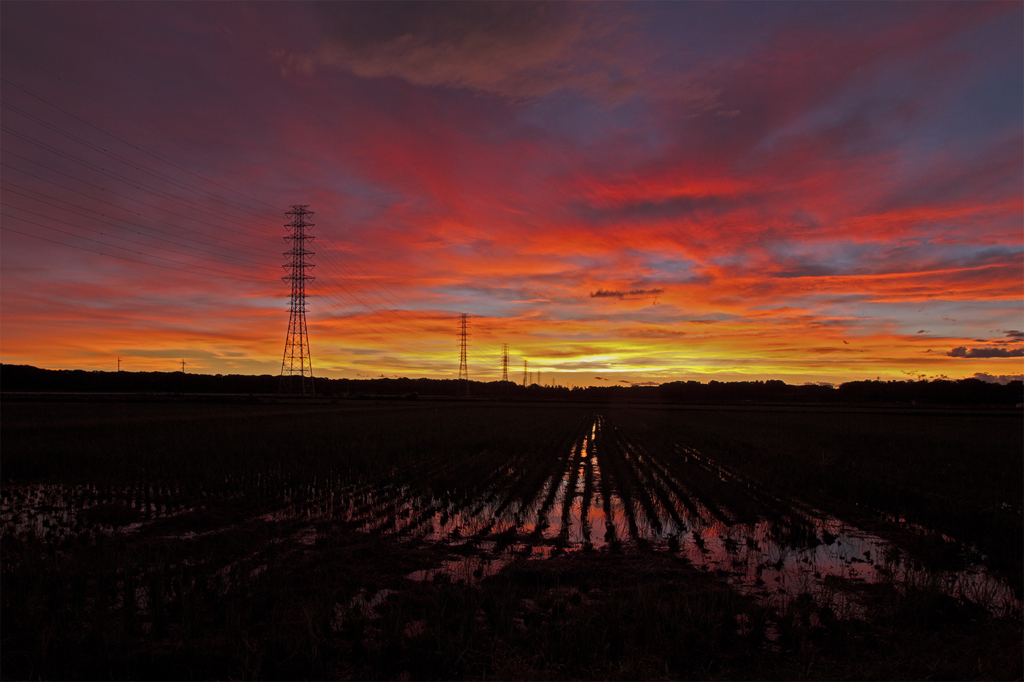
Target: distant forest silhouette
x=28, y=379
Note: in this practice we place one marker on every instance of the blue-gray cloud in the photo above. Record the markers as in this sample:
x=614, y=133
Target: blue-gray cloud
x=986, y=352
x=632, y=293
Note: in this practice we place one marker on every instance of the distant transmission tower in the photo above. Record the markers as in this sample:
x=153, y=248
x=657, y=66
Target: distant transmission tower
x=504, y=362
x=297, y=366
x=526, y=374
x=463, y=369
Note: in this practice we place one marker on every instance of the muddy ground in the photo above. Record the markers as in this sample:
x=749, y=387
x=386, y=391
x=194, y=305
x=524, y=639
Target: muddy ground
x=581, y=544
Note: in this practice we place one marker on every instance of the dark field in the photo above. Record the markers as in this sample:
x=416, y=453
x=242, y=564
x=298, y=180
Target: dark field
x=434, y=540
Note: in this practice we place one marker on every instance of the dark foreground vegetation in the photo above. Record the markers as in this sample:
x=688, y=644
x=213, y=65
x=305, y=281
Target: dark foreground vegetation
x=427, y=540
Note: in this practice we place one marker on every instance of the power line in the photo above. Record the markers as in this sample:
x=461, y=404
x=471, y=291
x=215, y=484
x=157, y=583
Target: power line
x=251, y=250
x=131, y=163
x=130, y=144
x=5, y=228
x=388, y=333
x=387, y=295
x=111, y=236
x=136, y=184
x=397, y=320
x=367, y=327
x=134, y=165
x=122, y=224
x=143, y=188
x=357, y=298
x=356, y=284
x=114, y=246
x=110, y=191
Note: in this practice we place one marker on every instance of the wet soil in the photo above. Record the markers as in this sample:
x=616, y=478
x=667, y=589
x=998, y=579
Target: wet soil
x=596, y=555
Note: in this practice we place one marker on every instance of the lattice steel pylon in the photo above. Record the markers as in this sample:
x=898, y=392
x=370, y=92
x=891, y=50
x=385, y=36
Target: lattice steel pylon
x=526, y=374
x=296, y=365
x=463, y=388
x=504, y=363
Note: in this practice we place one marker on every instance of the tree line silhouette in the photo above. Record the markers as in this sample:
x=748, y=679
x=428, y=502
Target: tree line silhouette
x=28, y=379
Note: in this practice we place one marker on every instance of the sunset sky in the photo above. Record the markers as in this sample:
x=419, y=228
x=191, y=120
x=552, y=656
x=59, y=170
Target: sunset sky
x=623, y=193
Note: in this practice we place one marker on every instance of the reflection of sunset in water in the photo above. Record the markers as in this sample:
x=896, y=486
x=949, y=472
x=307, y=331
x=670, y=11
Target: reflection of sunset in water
x=799, y=551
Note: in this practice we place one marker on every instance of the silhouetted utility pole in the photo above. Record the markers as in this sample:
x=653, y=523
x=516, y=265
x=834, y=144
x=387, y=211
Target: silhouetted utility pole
x=297, y=365
x=504, y=362
x=118, y=363
x=463, y=368
x=526, y=374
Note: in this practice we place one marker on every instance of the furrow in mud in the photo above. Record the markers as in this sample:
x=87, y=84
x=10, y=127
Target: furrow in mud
x=555, y=487
x=630, y=467
x=529, y=481
x=655, y=481
x=588, y=492
x=620, y=480
x=610, y=535
x=570, y=493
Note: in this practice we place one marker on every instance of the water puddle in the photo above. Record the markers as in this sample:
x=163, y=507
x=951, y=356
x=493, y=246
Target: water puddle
x=469, y=569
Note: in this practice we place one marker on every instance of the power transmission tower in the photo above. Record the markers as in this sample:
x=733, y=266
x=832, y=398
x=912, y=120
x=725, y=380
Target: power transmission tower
x=296, y=365
x=463, y=369
x=504, y=362
x=526, y=374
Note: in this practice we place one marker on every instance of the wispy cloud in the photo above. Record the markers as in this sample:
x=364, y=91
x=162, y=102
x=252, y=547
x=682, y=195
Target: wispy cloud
x=803, y=182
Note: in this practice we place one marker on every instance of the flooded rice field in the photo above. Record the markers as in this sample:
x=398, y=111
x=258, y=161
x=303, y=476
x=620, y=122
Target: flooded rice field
x=433, y=540
x=598, y=490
